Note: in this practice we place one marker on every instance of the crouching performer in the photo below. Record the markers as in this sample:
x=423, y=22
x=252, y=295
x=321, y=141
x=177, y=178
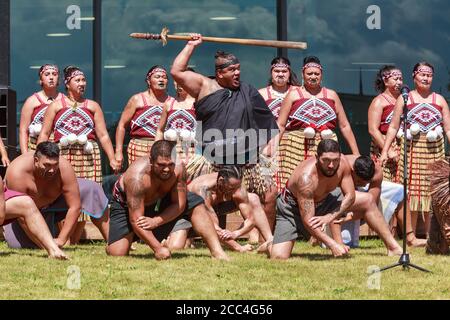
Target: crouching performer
x=149, y=199
x=46, y=182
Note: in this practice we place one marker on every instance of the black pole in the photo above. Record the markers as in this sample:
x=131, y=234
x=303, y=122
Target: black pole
x=282, y=26
x=404, y=258
x=97, y=50
x=5, y=43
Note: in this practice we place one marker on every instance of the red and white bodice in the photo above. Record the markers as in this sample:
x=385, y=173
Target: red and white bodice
x=313, y=114
x=37, y=117
x=145, y=121
x=74, y=125
x=424, y=118
x=387, y=113
x=180, y=123
x=274, y=102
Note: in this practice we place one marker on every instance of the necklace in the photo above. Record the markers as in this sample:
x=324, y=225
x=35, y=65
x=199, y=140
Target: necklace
x=313, y=96
x=278, y=94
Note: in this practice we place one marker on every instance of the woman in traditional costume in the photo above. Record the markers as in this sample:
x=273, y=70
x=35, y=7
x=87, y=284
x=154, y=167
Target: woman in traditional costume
x=142, y=115
x=388, y=83
x=32, y=113
x=178, y=122
x=308, y=114
x=78, y=123
x=427, y=121
x=280, y=82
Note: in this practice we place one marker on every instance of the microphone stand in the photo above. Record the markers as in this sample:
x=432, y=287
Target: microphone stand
x=404, y=261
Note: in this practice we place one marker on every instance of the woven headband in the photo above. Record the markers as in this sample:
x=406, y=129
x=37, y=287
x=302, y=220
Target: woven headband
x=48, y=67
x=312, y=65
x=280, y=65
x=74, y=74
x=394, y=73
x=423, y=69
x=227, y=64
x=149, y=75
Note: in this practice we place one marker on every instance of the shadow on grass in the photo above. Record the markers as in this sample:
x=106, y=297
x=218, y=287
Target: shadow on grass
x=6, y=254
x=174, y=255
x=320, y=257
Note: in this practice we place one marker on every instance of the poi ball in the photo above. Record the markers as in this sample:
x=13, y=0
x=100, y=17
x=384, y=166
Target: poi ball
x=408, y=134
x=89, y=147
x=72, y=138
x=432, y=136
x=310, y=133
x=327, y=134
x=185, y=135
x=415, y=129
x=82, y=139
x=64, y=142
x=170, y=135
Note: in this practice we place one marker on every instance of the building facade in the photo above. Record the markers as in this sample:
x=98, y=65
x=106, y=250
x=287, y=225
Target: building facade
x=352, y=39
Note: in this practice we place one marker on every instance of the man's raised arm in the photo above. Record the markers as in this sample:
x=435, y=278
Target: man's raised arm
x=192, y=82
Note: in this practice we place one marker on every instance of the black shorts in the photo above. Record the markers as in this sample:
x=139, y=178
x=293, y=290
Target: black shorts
x=119, y=220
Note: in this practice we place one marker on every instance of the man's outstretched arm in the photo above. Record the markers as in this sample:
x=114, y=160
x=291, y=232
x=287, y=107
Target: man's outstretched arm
x=192, y=82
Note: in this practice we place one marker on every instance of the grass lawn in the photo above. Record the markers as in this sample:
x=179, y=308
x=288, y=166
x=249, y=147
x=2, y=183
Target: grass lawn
x=311, y=274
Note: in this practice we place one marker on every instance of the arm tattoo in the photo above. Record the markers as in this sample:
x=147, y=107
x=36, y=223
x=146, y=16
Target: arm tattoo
x=182, y=181
x=135, y=192
x=306, y=186
x=307, y=205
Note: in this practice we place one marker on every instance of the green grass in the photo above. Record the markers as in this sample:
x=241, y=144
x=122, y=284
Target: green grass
x=311, y=274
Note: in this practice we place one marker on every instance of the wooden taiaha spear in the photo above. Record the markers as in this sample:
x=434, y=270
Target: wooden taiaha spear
x=164, y=36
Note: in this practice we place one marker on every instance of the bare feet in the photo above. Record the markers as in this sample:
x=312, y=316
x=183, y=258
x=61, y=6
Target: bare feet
x=265, y=247
x=416, y=243
x=246, y=248
x=396, y=252
x=220, y=256
x=57, y=254
x=162, y=254
x=314, y=242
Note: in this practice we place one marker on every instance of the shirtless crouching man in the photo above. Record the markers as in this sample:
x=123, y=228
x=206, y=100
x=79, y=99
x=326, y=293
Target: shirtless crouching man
x=148, y=200
x=36, y=180
x=367, y=172
x=312, y=200
x=224, y=193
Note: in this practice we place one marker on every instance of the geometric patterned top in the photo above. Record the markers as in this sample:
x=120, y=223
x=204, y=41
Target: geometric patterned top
x=427, y=115
x=145, y=120
x=181, y=119
x=78, y=121
x=37, y=117
x=274, y=103
x=319, y=113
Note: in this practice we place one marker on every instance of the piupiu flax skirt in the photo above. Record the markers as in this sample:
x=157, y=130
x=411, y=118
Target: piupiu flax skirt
x=293, y=149
x=32, y=142
x=139, y=148
x=257, y=178
x=390, y=169
x=420, y=154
